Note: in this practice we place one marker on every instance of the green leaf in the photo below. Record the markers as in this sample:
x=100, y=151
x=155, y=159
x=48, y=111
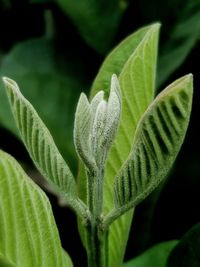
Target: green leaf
x=186, y=253
x=133, y=60
x=82, y=125
x=153, y=257
x=28, y=233
x=180, y=42
x=40, y=143
x=49, y=84
x=157, y=141
x=116, y=60
x=97, y=21
x=4, y=262
x=67, y=262
x=137, y=81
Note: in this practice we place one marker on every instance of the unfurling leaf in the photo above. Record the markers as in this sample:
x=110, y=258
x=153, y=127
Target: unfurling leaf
x=158, y=138
x=141, y=45
x=28, y=232
x=95, y=126
x=82, y=125
x=39, y=142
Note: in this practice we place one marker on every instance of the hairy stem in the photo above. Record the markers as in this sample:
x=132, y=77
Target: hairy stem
x=96, y=239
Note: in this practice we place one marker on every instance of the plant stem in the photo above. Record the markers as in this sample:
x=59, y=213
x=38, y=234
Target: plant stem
x=96, y=239
x=96, y=246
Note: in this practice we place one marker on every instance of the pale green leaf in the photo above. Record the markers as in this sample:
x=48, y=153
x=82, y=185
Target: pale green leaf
x=137, y=80
x=116, y=60
x=82, y=126
x=157, y=141
x=67, y=262
x=28, y=233
x=39, y=142
x=153, y=257
x=140, y=49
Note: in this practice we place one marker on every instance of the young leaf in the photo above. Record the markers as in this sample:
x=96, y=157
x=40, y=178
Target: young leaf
x=39, y=142
x=28, y=233
x=158, y=138
x=153, y=257
x=82, y=125
x=137, y=81
x=116, y=60
x=140, y=47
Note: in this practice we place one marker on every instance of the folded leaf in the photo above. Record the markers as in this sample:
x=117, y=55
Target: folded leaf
x=139, y=48
x=28, y=233
x=39, y=142
x=158, y=138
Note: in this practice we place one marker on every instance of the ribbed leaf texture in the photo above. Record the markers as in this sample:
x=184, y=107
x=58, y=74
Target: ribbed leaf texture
x=158, y=138
x=137, y=80
x=4, y=262
x=39, y=142
x=134, y=61
x=28, y=233
x=116, y=60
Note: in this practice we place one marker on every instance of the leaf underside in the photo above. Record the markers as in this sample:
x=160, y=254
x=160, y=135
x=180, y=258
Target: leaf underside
x=28, y=233
x=39, y=142
x=158, y=138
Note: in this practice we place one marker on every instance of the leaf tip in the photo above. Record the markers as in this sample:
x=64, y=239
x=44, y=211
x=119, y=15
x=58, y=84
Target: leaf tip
x=188, y=79
x=10, y=84
x=190, y=76
x=155, y=26
x=115, y=86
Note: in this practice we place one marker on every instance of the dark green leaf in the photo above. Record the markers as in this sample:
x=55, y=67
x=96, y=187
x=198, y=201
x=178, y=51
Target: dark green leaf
x=182, y=39
x=36, y=67
x=97, y=21
x=4, y=262
x=153, y=257
x=187, y=251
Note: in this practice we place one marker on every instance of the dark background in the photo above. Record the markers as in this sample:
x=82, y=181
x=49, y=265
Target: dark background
x=54, y=49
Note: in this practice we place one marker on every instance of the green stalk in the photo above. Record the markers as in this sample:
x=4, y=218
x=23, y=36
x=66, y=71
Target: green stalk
x=96, y=239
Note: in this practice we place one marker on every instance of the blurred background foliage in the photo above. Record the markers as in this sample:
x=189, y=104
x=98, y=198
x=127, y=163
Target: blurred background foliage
x=53, y=49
